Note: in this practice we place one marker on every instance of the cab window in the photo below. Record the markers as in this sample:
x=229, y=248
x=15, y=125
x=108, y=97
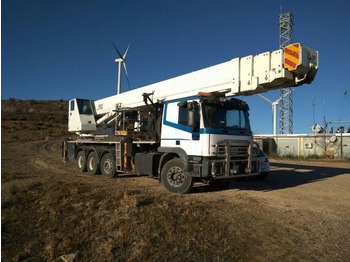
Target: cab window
x=84, y=106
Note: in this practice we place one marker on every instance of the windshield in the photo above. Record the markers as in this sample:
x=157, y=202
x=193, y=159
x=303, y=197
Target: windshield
x=84, y=106
x=227, y=115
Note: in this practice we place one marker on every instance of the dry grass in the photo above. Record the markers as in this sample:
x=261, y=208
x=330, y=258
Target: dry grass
x=17, y=186
x=97, y=224
x=31, y=120
x=130, y=226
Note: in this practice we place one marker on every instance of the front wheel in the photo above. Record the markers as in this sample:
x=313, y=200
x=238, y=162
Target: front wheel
x=174, y=179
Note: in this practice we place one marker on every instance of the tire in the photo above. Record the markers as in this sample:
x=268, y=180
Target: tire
x=81, y=161
x=107, y=166
x=92, y=164
x=262, y=175
x=174, y=179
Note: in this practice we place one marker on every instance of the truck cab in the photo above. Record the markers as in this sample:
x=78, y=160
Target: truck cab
x=211, y=136
x=81, y=116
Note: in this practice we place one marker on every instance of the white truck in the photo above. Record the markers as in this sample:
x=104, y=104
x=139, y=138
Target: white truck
x=184, y=129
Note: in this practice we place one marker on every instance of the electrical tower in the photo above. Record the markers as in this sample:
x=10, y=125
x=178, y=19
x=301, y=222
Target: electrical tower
x=286, y=94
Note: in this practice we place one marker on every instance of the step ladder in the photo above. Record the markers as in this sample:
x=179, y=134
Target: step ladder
x=118, y=157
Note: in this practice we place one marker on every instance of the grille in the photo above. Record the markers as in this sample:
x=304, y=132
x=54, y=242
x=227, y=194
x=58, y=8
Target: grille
x=234, y=148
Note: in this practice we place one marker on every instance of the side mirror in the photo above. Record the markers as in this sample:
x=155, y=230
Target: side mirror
x=192, y=114
x=191, y=117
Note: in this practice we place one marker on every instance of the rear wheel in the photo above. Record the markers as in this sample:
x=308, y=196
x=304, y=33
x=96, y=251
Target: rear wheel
x=174, y=179
x=81, y=161
x=108, y=166
x=92, y=164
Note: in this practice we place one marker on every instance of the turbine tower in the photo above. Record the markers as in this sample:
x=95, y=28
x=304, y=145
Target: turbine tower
x=120, y=61
x=286, y=94
x=274, y=110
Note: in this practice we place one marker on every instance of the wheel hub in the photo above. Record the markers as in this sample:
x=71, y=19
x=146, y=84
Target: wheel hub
x=107, y=166
x=92, y=163
x=80, y=162
x=176, y=176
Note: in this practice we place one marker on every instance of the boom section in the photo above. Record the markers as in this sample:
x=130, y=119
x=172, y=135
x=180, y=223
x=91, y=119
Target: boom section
x=292, y=66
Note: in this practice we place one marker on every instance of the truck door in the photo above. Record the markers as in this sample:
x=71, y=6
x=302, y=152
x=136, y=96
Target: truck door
x=181, y=126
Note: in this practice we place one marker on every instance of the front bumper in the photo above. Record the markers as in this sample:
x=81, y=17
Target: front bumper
x=233, y=159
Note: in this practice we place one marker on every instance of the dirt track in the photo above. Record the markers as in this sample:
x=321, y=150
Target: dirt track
x=300, y=212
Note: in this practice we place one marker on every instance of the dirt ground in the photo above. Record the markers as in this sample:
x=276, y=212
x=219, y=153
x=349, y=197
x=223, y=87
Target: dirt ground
x=300, y=212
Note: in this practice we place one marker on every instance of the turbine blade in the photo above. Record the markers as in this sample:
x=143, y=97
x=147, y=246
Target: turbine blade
x=126, y=52
x=265, y=98
x=126, y=73
x=116, y=49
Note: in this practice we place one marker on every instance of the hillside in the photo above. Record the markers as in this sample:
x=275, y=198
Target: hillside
x=33, y=120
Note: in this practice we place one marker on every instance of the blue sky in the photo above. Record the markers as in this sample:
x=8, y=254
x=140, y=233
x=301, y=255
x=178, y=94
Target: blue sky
x=63, y=49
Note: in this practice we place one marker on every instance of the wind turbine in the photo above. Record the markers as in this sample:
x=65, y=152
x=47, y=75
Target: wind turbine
x=274, y=109
x=121, y=60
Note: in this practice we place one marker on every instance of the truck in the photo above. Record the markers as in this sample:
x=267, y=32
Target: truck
x=186, y=129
